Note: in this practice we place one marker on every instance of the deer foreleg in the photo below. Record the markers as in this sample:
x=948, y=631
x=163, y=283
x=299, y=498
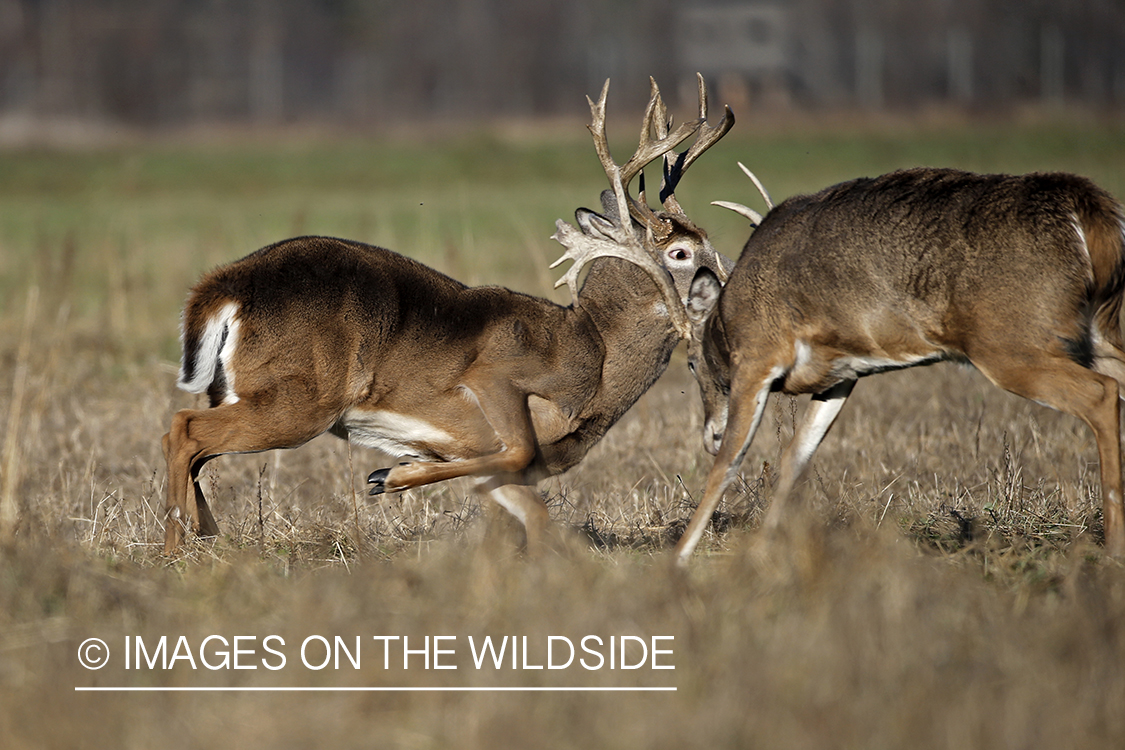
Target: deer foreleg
x=506, y=411
x=747, y=404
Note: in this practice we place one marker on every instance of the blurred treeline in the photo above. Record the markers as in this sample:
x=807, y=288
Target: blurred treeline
x=168, y=62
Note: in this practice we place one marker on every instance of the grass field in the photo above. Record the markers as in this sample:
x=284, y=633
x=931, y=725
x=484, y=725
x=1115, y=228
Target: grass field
x=951, y=593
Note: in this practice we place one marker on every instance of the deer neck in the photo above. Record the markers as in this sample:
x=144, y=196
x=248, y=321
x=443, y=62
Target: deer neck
x=631, y=317
x=627, y=310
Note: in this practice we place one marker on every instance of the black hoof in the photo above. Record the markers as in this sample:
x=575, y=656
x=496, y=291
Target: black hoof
x=378, y=478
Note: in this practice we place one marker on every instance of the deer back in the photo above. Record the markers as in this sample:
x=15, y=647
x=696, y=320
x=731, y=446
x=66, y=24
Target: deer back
x=349, y=321
x=922, y=264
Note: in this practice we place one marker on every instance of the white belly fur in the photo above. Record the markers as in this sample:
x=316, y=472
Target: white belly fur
x=396, y=434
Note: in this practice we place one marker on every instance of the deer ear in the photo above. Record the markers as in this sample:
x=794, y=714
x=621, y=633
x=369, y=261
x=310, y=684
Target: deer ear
x=703, y=296
x=609, y=205
x=595, y=225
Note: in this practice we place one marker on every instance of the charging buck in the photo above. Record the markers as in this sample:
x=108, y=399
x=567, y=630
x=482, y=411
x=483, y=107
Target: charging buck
x=316, y=334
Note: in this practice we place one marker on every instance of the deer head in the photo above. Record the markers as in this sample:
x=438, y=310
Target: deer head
x=665, y=242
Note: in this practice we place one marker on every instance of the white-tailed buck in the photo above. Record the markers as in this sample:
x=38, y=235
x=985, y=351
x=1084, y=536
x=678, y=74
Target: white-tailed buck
x=1021, y=276
x=316, y=334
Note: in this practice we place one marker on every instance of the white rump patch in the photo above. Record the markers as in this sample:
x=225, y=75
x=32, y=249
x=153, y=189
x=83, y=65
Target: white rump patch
x=216, y=348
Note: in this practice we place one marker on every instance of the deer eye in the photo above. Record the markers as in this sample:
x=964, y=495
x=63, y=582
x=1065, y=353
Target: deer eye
x=679, y=253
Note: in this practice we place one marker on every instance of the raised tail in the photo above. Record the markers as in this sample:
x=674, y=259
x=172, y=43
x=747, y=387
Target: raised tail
x=208, y=340
x=1101, y=223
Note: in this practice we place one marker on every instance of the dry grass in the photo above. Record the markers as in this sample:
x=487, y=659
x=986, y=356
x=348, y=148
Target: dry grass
x=949, y=591
x=950, y=594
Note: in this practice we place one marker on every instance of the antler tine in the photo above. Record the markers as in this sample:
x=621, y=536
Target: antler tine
x=676, y=164
x=660, y=119
x=758, y=184
x=754, y=217
x=648, y=148
x=708, y=136
x=597, y=129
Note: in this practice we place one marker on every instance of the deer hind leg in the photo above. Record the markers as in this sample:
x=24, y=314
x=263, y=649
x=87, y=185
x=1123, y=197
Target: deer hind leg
x=1109, y=359
x=186, y=509
x=1090, y=395
x=819, y=417
x=207, y=524
x=183, y=516
x=197, y=436
x=747, y=404
x=524, y=503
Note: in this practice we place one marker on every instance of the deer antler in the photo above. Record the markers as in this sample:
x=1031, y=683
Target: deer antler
x=754, y=217
x=621, y=243
x=676, y=164
x=620, y=240
x=648, y=149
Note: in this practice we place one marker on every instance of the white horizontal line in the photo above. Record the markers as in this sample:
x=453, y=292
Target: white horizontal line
x=229, y=689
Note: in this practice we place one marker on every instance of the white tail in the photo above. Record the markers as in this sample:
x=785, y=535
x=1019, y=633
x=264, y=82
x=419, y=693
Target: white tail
x=315, y=334
x=1020, y=276
x=209, y=363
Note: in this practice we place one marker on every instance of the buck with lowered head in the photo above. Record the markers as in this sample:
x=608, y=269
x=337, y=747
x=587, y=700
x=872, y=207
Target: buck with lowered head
x=317, y=334
x=1021, y=276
